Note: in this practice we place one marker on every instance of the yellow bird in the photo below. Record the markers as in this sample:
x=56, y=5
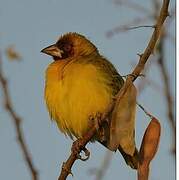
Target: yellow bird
x=79, y=84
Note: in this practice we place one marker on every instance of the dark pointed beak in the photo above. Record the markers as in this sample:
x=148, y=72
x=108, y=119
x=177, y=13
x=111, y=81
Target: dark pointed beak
x=53, y=51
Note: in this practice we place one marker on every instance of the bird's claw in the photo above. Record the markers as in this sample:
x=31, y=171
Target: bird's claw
x=133, y=75
x=87, y=154
x=77, y=147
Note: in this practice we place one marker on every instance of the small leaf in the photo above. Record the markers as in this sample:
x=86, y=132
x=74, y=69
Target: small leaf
x=122, y=127
x=150, y=141
x=148, y=148
x=12, y=54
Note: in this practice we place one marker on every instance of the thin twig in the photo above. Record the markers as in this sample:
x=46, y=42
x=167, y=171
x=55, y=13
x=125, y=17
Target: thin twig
x=145, y=82
x=135, y=73
x=126, y=27
x=163, y=69
x=17, y=124
x=145, y=111
x=141, y=26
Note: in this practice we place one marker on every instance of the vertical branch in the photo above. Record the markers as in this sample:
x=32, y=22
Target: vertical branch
x=167, y=93
x=17, y=124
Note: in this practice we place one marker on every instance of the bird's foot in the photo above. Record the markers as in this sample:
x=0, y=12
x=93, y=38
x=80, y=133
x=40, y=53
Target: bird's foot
x=87, y=155
x=77, y=147
x=133, y=75
x=100, y=129
x=96, y=120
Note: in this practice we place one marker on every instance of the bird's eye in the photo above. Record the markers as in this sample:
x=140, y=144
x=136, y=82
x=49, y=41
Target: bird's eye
x=67, y=47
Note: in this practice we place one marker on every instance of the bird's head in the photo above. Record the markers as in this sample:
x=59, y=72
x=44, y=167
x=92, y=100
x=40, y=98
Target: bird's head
x=70, y=45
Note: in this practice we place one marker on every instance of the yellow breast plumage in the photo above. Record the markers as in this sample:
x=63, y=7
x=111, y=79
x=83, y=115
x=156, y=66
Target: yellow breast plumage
x=73, y=92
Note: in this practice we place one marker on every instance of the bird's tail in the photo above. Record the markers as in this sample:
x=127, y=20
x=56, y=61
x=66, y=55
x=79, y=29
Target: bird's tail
x=131, y=161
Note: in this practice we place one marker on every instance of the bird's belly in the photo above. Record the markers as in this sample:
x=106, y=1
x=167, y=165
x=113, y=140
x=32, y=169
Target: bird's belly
x=73, y=99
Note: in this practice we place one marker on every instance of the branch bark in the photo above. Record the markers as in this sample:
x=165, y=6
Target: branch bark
x=66, y=169
x=17, y=124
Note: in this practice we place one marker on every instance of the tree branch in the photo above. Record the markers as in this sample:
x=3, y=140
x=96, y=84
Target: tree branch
x=167, y=93
x=123, y=28
x=66, y=169
x=17, y=124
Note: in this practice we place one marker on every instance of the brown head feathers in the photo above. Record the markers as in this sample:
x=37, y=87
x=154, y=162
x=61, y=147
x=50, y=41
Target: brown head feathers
x=76, y=44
